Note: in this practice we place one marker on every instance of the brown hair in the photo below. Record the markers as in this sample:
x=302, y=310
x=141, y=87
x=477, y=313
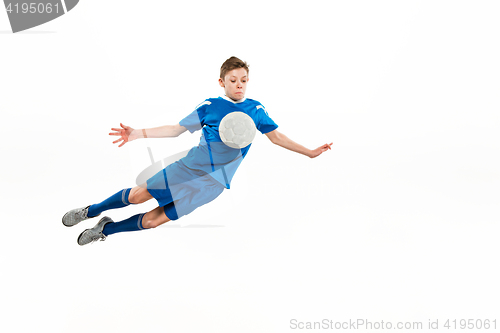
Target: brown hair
x=230, y=64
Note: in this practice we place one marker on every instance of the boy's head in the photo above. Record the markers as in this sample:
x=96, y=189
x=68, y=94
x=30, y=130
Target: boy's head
x=234, y=78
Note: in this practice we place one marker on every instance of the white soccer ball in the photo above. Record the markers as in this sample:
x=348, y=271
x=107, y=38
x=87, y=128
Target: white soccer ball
x=237, y=130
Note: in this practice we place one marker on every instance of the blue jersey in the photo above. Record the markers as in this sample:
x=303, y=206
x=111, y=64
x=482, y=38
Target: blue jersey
x=212, y=156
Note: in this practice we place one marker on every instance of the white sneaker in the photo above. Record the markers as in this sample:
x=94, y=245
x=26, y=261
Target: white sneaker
x=94, y=234
x=75, y=216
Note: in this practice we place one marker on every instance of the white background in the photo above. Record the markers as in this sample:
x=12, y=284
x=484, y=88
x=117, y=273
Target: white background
x=398, y=222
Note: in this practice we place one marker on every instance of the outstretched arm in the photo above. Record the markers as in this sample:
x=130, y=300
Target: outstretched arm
x=282, y=140
x=127, y=133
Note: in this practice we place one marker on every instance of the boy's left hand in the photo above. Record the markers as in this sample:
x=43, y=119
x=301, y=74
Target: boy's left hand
x=318, y=151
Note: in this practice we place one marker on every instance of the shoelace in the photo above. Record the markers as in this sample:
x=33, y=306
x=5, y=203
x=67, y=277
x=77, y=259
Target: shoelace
x=101, y=237
x=82, y=213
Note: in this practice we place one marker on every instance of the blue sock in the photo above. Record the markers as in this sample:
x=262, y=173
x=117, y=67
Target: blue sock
x=117, y=200
x=133, y=223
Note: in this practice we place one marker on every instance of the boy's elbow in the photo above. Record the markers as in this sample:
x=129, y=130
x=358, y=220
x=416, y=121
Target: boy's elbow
x=275, y=138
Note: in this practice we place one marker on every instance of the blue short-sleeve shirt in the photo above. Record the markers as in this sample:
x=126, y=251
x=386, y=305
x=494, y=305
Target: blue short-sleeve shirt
x=212, y=156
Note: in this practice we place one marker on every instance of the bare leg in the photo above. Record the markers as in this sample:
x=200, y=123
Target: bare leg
x=154, y=218
x=139, y=194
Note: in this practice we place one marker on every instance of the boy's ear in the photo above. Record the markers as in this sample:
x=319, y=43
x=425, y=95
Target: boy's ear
x=221, y=83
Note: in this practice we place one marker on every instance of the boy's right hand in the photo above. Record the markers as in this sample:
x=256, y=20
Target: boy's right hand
x=126, y=134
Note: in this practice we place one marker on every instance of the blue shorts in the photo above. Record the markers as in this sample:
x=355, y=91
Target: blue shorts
x=180, y=190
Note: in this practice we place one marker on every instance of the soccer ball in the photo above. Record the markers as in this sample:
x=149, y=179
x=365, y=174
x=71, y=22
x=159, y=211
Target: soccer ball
x=237, y=130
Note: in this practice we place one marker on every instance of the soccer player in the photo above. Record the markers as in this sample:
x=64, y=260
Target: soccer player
x=197, y=178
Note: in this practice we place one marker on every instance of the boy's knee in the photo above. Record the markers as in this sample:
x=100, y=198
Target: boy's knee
x=154, y=218
x=132, y=196
x=138, y=195
x=148, y=223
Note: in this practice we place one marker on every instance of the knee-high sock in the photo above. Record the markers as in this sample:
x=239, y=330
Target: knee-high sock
x=133, y=223
x=117, y=200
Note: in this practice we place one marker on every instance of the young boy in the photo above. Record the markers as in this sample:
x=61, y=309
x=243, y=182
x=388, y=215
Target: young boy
x=199, y=177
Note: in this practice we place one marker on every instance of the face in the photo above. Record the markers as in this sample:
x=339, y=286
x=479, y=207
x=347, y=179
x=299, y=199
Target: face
x=235, y=83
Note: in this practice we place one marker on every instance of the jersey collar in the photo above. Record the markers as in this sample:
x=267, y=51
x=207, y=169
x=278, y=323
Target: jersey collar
x=235, y=102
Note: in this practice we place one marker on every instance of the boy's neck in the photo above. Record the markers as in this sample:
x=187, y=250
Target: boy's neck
x=232, y=100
